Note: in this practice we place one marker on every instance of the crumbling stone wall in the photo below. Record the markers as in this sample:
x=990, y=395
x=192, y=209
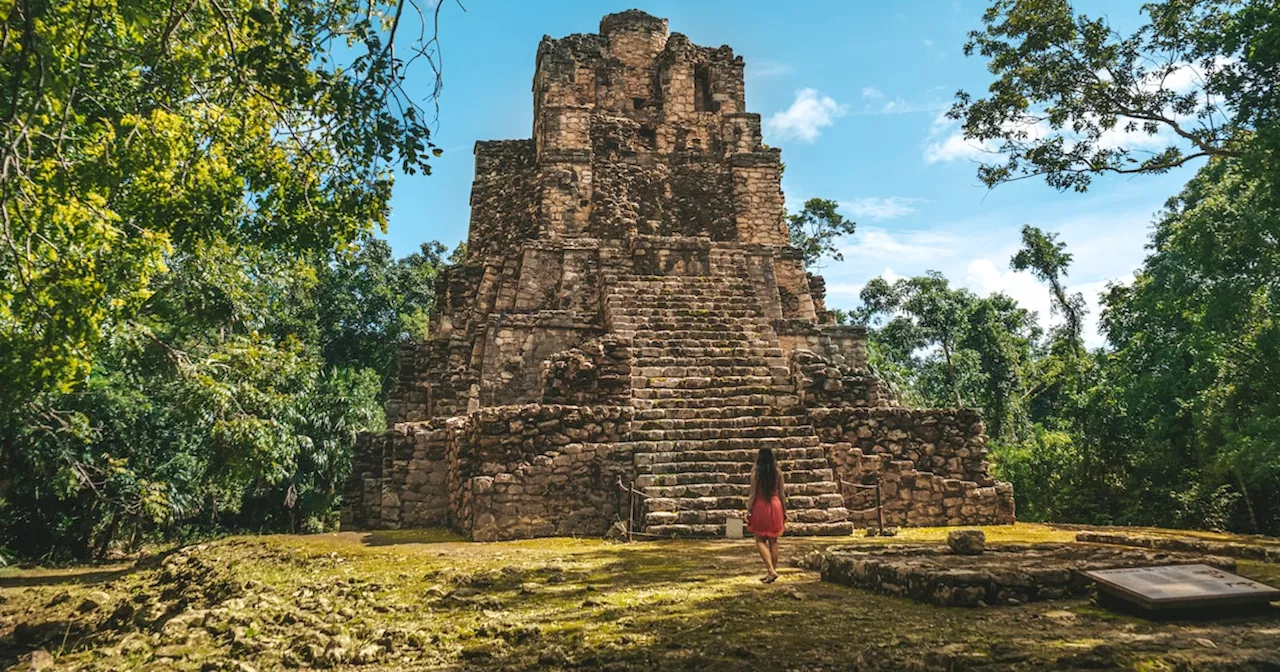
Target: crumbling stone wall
x=503, y=472
x=930, y=465
x=503, y=197
x=950, y=442
x=820, y=383
x=597, y=372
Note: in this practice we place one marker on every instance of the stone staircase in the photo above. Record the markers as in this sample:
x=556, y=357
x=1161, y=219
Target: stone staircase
x=710, y=386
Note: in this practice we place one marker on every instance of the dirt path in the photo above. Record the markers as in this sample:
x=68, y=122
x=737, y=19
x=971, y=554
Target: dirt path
x=385, y=601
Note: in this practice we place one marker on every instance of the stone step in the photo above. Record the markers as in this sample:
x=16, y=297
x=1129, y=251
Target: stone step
x=758, y=346
x=716, y=413
x=724, y=299
x=771, y=363
x=676, y=386
x=688, y=332
x=839, y=529
x=795, y=502
x=736, y=455
x=747, y=444
x=735, y=422
x=722, y=390
x=709, y=371
x=734, y=350
x=702, y=323
x=716, y=477
x=737, y=489
x=738, y=313
x=714, y=516
x=713, y=433
x=783, y=402
x=743, y=467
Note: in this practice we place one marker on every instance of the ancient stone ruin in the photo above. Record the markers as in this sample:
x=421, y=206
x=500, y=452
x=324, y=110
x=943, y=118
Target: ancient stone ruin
x=630, y=311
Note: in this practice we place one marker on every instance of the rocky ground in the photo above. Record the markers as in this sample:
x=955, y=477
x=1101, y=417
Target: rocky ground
x=418, y=601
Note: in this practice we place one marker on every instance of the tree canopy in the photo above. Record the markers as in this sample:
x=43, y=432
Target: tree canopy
x=1074, y=98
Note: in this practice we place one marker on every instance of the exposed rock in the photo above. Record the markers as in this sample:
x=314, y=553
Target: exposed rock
x=967, y=542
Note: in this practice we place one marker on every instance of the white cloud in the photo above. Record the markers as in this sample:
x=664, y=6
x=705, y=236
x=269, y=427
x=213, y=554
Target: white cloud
x=807, y=116
x=1107, y=241
x=766, y=69
x=872, y=93
x=953, y=147
x=880, y=208
x=928, y=44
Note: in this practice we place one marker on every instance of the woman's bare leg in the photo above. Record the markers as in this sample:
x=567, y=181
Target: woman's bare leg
x=762, y=545
x=773, y=554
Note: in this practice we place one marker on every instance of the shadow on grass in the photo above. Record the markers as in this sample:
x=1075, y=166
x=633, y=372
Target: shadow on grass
x=396, y=537
x=69, y=578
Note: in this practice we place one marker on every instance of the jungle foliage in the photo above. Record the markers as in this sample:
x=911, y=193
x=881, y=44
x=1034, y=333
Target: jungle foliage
x=1176, y=421
x=194, y=317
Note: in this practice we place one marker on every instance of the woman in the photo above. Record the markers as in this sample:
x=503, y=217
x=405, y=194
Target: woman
x=766, y=512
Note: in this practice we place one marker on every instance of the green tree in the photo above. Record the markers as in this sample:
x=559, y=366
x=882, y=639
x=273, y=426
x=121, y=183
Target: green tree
x=923, y=312
x=1197, y=341
x=816, y=228
x=1048, y=260
x=1074, y=98
x=136, y=132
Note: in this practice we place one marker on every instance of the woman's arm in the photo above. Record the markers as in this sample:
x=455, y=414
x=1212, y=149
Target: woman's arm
x=782, y=492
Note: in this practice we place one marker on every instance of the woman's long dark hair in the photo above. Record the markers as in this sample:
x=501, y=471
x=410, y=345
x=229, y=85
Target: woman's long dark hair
x=766, y=473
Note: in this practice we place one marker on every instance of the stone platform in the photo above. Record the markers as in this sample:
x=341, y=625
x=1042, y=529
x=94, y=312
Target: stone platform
x=1007, y=574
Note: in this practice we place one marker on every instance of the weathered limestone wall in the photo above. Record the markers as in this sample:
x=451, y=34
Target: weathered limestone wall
x=400, y=478
x=930, y=464
x=503, y=197
x=597, y=372
x=503, y=472
x=820, y=383
x=950, y=442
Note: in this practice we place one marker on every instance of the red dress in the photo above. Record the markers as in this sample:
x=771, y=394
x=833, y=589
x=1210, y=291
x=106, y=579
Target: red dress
x=767, y=517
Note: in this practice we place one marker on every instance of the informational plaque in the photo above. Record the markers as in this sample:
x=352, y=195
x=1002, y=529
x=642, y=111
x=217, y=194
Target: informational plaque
x=1182, y=587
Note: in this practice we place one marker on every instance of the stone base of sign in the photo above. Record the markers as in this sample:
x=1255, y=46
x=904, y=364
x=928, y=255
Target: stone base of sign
x=1007, y=574
x=1181, y=590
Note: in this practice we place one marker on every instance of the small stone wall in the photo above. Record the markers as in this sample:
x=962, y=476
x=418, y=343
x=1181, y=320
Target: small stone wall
x=597, y=372
x=399, y=478
x=823, y=384
x=1009, y=574
x=950, y=442
x=930, y=465
x=505, y=472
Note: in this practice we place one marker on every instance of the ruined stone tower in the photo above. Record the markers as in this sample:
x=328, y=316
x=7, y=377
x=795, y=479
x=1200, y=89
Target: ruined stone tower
x=630, y=313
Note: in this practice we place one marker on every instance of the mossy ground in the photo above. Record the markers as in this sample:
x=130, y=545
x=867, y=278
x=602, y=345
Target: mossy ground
x=428, y=600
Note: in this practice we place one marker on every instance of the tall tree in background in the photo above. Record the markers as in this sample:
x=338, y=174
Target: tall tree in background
x=134, y=132
x=180, y=185
x=816, y=228
x=1176, y=425
x=1048, y=260
x=1197, y=342
x=1074, y=98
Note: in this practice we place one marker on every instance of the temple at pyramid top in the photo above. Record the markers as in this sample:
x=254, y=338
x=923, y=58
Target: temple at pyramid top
x=636, y=131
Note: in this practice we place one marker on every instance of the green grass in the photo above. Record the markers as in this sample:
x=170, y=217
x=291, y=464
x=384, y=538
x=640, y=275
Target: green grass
x=440, y=601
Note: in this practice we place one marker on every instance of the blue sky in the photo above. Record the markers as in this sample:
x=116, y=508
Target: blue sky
x=852, y=92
